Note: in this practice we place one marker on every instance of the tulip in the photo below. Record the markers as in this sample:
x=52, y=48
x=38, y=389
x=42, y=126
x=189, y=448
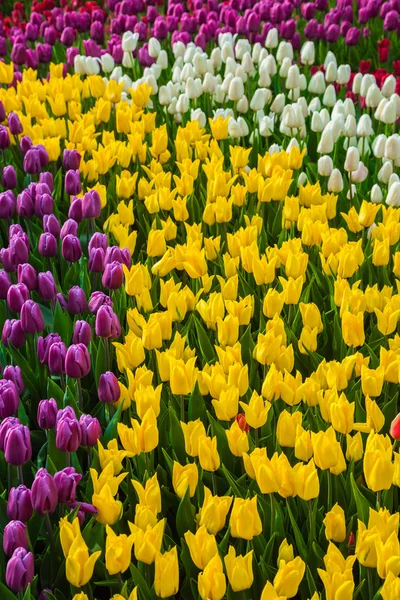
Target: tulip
x=9, y=178
x=166, y=575
x=239, y=570
x=306, y=481
x=184, y=477
x=12, y=332
x=68, y=433
x=4, y=284
x=20, y=570
x=73, y=184
x=208, y=454
x=70, y=227
x=71, y=248
x=109, y=509
x=108, y=388
x=16, y=296
x=77, y=361
x=79, y=565
x=91, y=205
x=212, y=581
x=107, y=323
x=14, y=537
x=96, y=300
x=113, y=276
x=118, y=551
x=76, y=300
x=289, y=576
x=365, y=550
x=51, y=225
x=245, y=520
x=82, y=333
x=31, y=317
x=71, y=158
x=44, y=493
x=47, y=245
x=66, y=482
x=46, y=286
x=202, y=547
x=14, y=374
x=17, y=445
x=44, y=345
x=47, y=414
x=19, y=505
x=90, y=430
x=56, y=358
x=335, y=525
x=183, y=376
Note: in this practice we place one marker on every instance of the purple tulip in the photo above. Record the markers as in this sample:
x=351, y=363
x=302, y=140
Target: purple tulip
x=20, y=570
x=14, y=537
x=18, y=54
x=71, y=160
x=19, y=505
x=66, y=482
x=47, y=414
x=44, y=205
x=113, y=276
x=98, y=299
x=5, y=425
x=113, y=253
x=96, y=260
x=46, y=286
x=47, y=178
x=47, y=245
x=82, y=333
x=70, y=227
x=68, y=434
x=14, y=123
x=25, y=143
x=73, y=184
x=9, y=398
x=44, y=345
x=17, y=445
x=56, y=360
x=90, y=429
x=107, y=323
x=2, y=112
x=31, y=317
x=32, y=61
x=51, y=225
x=98, y=240
x=91, y=205
x=4, y=284
x=17, y=294
x=44, y=52
x=14, y=374
x=13, y=332
x=44, y=493
x=108, y=388
x=45, y=594
x=97, y=32
x=25, y=205
x=77, y=361
x=391, y=20
x=27, y=276
x=9, y=178
x=4, y=138
x=7, y=204
x=77, y=300
x=71, y=248
x=32, y=162
x=353, y=36
x=75, y=210
x=61, y=300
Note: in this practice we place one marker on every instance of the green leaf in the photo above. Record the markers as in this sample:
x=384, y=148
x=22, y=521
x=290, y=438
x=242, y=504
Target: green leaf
x=5, y=593
x=30, y=379
x=206, y=349
x=300, y=543
x=185, y=515
x=111, y=431
x=140, y=581
x=226, y=455
x=101, y=360
x=361, y=502
x=54, y=391
x=62, y=324
x=176, y=436
x=197, y=408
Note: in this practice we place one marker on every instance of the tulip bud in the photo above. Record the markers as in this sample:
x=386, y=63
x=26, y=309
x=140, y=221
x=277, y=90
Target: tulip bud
x=68, y=433
x=9, y=178
x=32, y=162
x=90, y=430
x=19, y=505
x=113, y=276
x=98, y=240
x=395, y=428
x=108, y=388
x=71, y=248
x=5, y=425
x=325, y=166
x=44, y=204
x=66, y=482
x=77, y=361
x=4, y=284
x=70, y=227
x=13, y=332
x=76, y=300
x=27, y=276
x=14, y=374
x=44, y=493
x=47, y=245
x=31, y=317
x=91, y=205
x=9, y=399
x=107, y=323
x=56, y=358
x=47, y=414
x=71, y=160
x=16, y=296
x=20, y=570
x=82, y=333
x=73, y=184
x=98, y=299
x=17, y=445
x=14, y=536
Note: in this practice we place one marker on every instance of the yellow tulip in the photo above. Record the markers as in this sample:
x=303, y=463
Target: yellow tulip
x=118, y=551
x=79, y=565
x=147, y=543
x=289, y=576
x=166, y=574
x=202, y=546
x=335, y=525
x=208, y=454
x=193, y=431
x=212, y=581
x=213, y=512
x=239, y=570
x=184, y=477
x=245, y=520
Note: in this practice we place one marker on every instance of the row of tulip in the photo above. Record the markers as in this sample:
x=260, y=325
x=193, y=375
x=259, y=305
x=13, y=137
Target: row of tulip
x=199, y=307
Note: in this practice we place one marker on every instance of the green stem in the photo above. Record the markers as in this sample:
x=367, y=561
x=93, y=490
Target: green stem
x=20, y=475
x=182, y=399
x=49, y=529
x=214, y=484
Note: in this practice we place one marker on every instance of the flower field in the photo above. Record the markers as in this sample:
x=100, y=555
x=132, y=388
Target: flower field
x=199, y=300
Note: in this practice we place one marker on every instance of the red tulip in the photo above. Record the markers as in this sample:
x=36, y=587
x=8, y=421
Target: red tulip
x=395, y=428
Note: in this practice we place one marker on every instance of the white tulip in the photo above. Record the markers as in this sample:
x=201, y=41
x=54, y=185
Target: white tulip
x=178, y=49
x=343, y=74
x=182, y=105
x=307, y=53
x=331, y=73
x=79, y=65
x=107, y=63
x=385, y=172
x=356, y=87
x=127, y=60
x=316, y=122
x=154, y=47
x=351, y=193
x=315, y=105
x=364, y=126
x=216, y=58
x=236, y=89
x=389, y=86
x=325, y=166
x=247, y=63
x=164, y=96
x=256, y=52
x=267, y=126
x=360, y=174
x=366, y=81
x=198, y=115
x=393, y=197
x=302, y=180
x=243, y=105
x=278, y=104
x=293, y=77
x=285, y=66
x=227, y=82
x=324, y=114
x=330, y=58
x=162, y=60
x=376, y=194
x=378, y=114
x=352, y=159
x=129, y=41
x=326, y=143
x=116, y=74
x=234, y=128
x=227, y=51
x=389, y=113
x=272, y=38
x=392, y=147
x=209, y=83
x=378, y=145
x=242, y=46
x=127, y=83
x=258, y=100
x=373, y=96
x=349, y=107
x=335, y=181
x=329, y=97
x=219, y=94
x=285, y=50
